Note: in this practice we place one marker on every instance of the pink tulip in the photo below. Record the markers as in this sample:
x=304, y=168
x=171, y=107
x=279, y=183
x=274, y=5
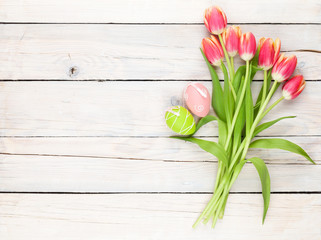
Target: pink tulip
x=247, y=47
x=231, y=38
x=293, y=87
x=269, y=52
x=215, y=20
x=212, y=50
x=284, y=67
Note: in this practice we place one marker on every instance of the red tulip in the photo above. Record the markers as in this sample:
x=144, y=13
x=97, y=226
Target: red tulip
x=269, y=52
x=293, y=87
x=284, y=67
x=231, y=39
x=247, y=47
x=212, y=50
x=215, y=20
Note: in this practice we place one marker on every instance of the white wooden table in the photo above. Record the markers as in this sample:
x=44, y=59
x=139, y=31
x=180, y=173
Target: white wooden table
x=84, y=148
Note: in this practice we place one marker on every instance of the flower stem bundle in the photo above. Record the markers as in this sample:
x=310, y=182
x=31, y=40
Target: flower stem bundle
x=238, y=116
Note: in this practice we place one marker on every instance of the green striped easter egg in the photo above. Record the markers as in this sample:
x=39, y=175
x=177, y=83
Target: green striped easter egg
x=180, y=120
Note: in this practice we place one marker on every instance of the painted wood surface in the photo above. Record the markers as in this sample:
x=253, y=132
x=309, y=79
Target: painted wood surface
x=122, y=108
x=86, y=164
x=132, y=52
x=84, y=151
x=158, y=11
x=153, y=216
x=145, y=148
x=39, y=173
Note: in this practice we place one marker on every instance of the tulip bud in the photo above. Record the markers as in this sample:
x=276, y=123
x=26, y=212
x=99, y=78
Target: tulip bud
x=247, y=47
x=269, y=52
x=212, y=50
x=293, y=87
x=215, y=20
x=284, y=67
x=231, y=39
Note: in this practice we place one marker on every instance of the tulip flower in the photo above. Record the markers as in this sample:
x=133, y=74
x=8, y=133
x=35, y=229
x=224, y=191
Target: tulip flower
x=247, y=47
x=269, y=52
x=215, y=20
x=212, y=50
x=283, y=68
x=293, y=87
x=239, y=118
x=231, y=38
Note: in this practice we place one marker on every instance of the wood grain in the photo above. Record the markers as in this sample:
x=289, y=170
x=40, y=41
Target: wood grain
x=97, y=153
x=149, y=216
x=126, y=109
x=132, y=52
x=159, y=11
x=89, y=171
x=149, y=149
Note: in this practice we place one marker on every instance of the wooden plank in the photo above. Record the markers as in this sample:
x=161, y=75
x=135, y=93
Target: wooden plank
x=125, y=109
x=149, y=216
x=160, y=11
x=37, y=173
x=149, y=149
x=132, y=52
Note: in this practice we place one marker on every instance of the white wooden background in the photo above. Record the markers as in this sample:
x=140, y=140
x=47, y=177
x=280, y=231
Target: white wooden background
x=84, y=148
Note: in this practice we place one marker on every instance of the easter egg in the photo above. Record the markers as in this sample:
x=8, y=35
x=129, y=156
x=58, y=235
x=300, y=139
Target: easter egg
x=180, y=120
x=197, y=99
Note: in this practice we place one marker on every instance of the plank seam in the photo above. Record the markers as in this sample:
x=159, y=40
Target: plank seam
x=209, y=136
x=123, y=80
x=151, y=23
x=133, y=158
x=182, y=193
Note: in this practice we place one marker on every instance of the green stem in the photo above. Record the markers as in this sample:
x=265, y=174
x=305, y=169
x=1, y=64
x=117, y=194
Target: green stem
x=245, y=144
x=225, y=52
x=258, y=119
x=229, y=83
x=239, y=104
x=217, y=213
x=212, y=202
x=218, y=175
x=221, y=214
x=238, y=152
x=213, y=209
x=228, y=64
x=217, y=204
x=264, y=86
x=232, y=90
x=232, y=66
x=272, y=106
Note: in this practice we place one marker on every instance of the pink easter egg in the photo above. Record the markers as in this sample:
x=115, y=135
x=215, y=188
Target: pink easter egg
x=197, y=99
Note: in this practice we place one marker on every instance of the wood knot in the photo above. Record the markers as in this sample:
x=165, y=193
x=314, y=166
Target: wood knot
x=73, y=71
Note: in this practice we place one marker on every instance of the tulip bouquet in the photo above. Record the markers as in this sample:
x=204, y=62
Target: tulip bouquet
x=238, y=116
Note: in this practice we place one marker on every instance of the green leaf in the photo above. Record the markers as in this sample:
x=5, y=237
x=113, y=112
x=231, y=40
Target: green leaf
x=222, y=129
x=205, y=120
x=222, y=132
x=238, y=77
x=239, y=125
x=266, y=125
x=238, y=95
x=278, y=143
x=248, y=107
x=255, y=68
x=259, y=97
x=265, y=182
x=253, y=72
x=226, y=96
x=212, y=147
x=255, y=59
x=256, y=106
x=217, y=92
